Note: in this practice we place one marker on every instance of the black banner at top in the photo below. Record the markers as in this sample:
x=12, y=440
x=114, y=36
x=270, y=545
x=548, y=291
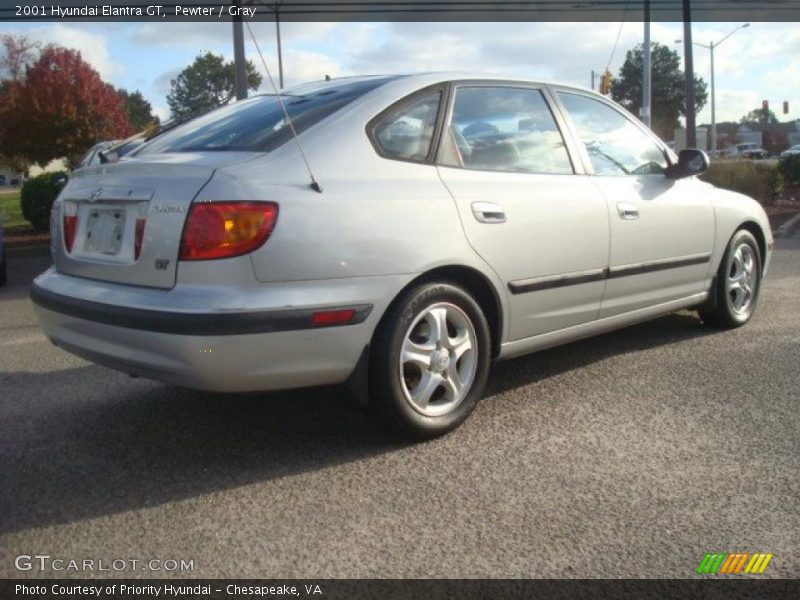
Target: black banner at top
x=398, y=10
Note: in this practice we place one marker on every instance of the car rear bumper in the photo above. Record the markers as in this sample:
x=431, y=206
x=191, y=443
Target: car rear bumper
x=260, y=341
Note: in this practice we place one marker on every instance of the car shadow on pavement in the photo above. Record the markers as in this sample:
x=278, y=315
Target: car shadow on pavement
x=86, y=442
x=75, y=458
x=671, y=329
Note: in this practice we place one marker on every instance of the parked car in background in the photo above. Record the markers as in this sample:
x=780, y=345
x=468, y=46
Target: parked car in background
x=750, y=150
x=449, y=221
x=793, y=151
x=3, y=267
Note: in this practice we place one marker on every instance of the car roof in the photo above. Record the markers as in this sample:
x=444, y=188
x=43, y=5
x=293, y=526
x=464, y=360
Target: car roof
x=423, y=79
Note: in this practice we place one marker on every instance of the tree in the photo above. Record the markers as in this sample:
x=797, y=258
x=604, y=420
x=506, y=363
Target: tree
x=668, y=94
x=763, y=116
x=139, y=111
x=18, y=52
x=59, y=109
x=207, y=83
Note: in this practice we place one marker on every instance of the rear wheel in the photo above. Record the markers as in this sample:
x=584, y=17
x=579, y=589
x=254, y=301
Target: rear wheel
x=737, y=285
x=430, y=361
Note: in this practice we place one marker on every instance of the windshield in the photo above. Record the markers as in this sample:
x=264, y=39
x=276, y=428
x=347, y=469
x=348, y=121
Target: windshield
x=258, y=124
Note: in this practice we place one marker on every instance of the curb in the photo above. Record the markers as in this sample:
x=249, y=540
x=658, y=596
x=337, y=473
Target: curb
x=789, y=228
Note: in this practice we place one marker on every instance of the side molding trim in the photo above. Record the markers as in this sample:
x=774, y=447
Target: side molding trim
x=523, y=286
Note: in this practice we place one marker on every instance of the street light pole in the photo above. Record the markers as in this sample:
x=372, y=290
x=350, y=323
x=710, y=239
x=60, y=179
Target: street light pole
x=713, y=105
x=645, y=112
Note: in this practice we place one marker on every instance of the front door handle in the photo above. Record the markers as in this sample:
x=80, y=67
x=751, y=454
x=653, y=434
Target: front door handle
x=627, y=211
x=488, y=212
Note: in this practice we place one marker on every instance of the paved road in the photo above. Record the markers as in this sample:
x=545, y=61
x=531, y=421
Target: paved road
x=631, y=454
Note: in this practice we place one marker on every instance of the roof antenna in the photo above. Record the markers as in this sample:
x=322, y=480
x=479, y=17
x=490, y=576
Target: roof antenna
x=314, y=184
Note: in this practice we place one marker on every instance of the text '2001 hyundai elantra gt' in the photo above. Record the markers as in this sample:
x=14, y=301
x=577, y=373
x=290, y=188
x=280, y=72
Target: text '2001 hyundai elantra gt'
x=456, y=219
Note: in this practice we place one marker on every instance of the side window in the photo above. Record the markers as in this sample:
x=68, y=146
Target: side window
x=505, y=129
x=407, y=133
x=615, y=145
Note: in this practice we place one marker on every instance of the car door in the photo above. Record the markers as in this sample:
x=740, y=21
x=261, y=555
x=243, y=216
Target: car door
x=542, y=227
x=662, y=229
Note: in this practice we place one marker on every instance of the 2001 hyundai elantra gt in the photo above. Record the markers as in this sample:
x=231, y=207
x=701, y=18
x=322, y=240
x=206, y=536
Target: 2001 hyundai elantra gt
x=456, y=219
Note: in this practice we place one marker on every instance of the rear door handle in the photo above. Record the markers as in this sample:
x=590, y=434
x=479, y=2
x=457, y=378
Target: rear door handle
x=488, y=212
x=627, y=211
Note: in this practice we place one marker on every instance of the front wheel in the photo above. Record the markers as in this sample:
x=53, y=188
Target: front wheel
x=737, y=284
x=430, y=361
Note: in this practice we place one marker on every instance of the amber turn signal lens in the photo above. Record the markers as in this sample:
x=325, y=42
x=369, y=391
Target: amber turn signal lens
x=225, y=229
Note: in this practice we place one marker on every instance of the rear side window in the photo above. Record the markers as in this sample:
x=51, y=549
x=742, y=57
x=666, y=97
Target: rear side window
x=506, y=129
x=407, y=133
x=258, y=124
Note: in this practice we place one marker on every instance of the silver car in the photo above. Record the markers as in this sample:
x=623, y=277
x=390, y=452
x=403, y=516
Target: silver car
x=793, y=151
x=418, y=228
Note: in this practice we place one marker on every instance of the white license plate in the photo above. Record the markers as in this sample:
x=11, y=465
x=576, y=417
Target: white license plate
x=105, y=230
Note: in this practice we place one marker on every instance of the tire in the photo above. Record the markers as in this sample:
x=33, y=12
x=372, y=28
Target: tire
x=737, y=284
x=448, y=347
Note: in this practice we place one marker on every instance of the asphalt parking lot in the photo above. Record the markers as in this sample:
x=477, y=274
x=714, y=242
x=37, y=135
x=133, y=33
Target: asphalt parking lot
x=626, y=455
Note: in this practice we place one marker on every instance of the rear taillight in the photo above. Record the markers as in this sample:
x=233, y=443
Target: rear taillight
x=225, y=229
x=70, y=224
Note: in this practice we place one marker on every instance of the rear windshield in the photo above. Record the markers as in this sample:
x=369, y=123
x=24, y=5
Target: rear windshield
x=258, y=124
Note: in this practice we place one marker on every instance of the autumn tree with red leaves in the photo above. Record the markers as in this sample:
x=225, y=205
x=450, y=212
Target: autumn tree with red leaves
x=59, y=109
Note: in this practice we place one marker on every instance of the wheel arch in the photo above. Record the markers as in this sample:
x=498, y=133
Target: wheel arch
x=473, y=281
x=758, y=233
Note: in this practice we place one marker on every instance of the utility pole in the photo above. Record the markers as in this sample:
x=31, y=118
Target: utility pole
x=713, y=105
x=644, y=113
x=711, y=47
x=593, y=76
x=691, y=131
x=240, y=76
x=278, y=37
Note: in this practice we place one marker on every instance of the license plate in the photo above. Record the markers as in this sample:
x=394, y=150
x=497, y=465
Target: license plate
x=105, y=230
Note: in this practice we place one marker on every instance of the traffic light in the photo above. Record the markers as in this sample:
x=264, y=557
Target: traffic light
x=605, y=83
x=765, y=105
x=786, y=107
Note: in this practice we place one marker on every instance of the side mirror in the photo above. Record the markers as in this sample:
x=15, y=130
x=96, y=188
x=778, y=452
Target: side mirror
x=690, y=162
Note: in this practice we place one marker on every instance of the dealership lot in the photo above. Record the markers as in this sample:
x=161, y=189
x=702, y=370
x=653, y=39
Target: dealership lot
x=630, y=454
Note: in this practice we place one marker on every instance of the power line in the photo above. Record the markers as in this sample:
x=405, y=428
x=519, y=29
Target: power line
x=619, y=33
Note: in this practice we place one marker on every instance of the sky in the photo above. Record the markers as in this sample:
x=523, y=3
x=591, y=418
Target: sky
x=756, y=63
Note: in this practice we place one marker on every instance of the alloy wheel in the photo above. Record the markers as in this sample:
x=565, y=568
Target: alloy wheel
x=741, y=279
x=438, y=359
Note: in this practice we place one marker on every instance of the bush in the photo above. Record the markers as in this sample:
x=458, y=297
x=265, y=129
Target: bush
x=790, y=169
x=37, y=197
x=762, y=181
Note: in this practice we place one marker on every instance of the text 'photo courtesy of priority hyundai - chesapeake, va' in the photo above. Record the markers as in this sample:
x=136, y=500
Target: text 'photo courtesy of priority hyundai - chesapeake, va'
x=364, y=299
